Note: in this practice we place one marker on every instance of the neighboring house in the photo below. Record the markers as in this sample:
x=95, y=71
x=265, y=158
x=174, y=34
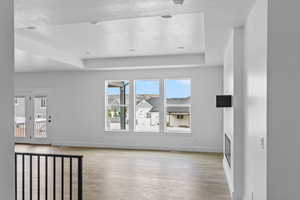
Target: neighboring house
x=114, y=111
x=177, y=115
x=147, y=111
x=114, y=106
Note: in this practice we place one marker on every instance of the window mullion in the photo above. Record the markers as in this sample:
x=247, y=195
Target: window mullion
x=162, y=107
x=131, y=107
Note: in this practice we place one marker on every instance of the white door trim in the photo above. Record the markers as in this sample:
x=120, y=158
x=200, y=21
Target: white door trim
x=29, y=94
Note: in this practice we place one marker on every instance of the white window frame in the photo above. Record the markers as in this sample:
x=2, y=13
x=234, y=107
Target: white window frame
x=126, y=105
x=43, y=103
x=179, y=105
x=45, y=98
x=25, y=111
x=134, y=105
x=131, y=107
x=17, y=101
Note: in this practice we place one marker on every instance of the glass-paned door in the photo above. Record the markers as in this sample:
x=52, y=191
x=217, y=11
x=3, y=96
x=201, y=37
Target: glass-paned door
x=20, y=117
x=31, y=119
x=40, y=117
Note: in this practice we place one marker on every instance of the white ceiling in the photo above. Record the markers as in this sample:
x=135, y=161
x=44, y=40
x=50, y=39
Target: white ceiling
x=26, y=62
x=145, y=36
x=65, y=38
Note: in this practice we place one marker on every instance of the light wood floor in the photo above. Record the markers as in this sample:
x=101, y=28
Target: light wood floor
x=146, y=175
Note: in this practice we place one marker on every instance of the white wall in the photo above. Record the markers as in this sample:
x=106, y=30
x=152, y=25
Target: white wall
x=256, y=101
x=76, y=101
x=283, y=162
x=6, y=100
x=234, y=117
x=228, y=112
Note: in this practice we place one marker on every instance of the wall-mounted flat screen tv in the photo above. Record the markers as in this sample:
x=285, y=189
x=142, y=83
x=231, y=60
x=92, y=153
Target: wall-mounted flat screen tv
x=224, y=101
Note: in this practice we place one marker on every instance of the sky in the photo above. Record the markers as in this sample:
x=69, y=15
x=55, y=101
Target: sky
x=173, y=88
x=147, y=87
x=115, y=91
x=177, y=88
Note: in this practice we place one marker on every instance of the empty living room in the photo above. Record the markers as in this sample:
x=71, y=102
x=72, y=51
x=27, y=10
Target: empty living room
x=149, y=100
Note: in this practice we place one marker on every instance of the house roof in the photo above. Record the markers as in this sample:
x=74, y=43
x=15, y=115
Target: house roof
x=181, y=101
x=178, y=109
x=155, y=102
x=115, y=99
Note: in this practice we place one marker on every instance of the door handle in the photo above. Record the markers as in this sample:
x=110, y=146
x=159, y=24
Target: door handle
x=50, y=119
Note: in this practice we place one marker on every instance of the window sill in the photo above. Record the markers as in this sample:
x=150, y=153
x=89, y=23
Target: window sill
x=187, y=134
x=146, y=132
x=116, y=131
x=178, y=133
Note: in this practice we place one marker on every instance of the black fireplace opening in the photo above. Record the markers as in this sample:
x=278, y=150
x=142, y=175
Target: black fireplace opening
x=228, y=149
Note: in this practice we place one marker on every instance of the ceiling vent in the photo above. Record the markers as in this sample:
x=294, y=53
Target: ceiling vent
x=166, y=16
x=180, y=2
x=95, y=22
x=30, y=27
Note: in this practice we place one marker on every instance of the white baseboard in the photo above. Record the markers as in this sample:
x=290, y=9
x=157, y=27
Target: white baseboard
x=136, y=147
x=226, y=171
x=234, y=195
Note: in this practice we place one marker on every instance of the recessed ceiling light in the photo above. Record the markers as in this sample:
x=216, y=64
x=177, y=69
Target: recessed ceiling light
x=95, y=22
x=31, y=27
x=180, y=2
x=166, y=16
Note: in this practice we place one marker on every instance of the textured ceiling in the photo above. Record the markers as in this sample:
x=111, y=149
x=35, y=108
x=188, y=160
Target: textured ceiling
x=67, y=31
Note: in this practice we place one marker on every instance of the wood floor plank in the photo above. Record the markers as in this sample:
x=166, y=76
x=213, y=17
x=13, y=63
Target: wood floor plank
x=146, y=175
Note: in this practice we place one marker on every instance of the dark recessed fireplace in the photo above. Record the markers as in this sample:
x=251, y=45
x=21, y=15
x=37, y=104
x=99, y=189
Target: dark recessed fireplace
x=228, y=149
